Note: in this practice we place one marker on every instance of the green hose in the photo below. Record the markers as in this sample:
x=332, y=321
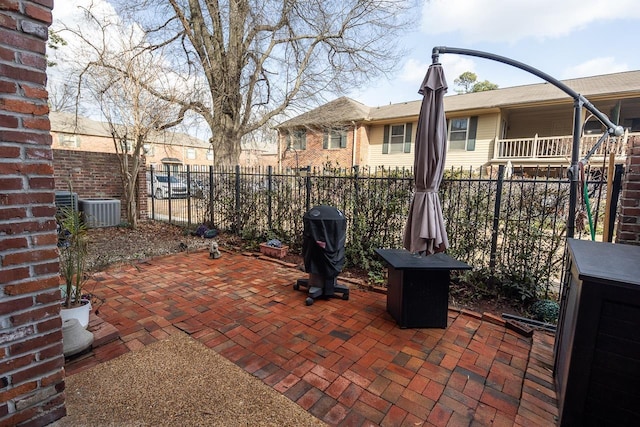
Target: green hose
x=588, y=206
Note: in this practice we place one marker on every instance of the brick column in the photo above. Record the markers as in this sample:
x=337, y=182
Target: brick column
x=32, y=366
x=629, y=220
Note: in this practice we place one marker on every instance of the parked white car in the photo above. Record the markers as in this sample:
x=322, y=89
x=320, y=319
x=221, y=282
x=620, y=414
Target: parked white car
x=159, y=187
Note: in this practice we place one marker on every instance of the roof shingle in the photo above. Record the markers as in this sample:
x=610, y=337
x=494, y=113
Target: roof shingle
x=344, y=110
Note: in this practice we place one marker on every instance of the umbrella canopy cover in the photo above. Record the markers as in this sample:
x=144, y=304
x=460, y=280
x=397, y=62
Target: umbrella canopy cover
x=425, y=229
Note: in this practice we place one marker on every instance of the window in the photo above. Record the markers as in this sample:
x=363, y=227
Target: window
x=458, y=133
x=297, y=139
x=148, y=149
x=126, y=146
x=191, y=153
x=462, y=133
x=397, y=138
x=210, y=154
x=334, y=138
x=69, y=140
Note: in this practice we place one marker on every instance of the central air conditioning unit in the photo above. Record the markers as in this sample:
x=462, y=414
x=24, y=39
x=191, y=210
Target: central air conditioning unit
x=66, y=199
x=100, y=212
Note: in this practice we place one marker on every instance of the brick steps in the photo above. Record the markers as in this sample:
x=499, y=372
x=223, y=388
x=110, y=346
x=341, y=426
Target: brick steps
x=103, y=332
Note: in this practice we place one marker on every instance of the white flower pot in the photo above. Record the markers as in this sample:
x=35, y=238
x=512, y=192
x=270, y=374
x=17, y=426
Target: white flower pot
x=80, y=312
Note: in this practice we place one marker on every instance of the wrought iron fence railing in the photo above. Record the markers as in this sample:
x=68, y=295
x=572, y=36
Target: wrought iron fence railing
x=512, y=224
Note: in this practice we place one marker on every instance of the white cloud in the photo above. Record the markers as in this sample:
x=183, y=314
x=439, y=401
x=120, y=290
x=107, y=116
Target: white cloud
x=513, y=20
x=71, y=11
x=594, y=67
x=413, y=70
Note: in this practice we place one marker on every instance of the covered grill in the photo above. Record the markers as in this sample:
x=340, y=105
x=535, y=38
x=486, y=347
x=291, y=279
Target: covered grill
x=324, y=236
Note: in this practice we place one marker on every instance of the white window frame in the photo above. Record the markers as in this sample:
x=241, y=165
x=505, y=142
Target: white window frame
x=396, y=140
x=334, y=138
x=455, y=145
x=298, y=139
x=67, y=140
x=210, y=154
x=191, y=153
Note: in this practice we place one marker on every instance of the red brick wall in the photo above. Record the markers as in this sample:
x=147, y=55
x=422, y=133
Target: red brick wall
x=32, y=366
x=96, y=175
x=316, y=156
x=629, y=219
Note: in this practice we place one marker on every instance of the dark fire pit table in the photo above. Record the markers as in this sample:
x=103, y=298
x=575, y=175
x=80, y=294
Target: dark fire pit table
x=418, y=287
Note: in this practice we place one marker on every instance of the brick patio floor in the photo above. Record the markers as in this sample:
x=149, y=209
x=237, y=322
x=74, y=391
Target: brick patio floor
x=346, y=362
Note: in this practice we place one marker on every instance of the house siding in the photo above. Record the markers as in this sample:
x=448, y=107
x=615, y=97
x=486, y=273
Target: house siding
x=485, y=137
x=377, y=158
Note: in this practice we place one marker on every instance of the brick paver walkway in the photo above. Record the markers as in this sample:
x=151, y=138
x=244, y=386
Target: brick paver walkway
x=346, y=362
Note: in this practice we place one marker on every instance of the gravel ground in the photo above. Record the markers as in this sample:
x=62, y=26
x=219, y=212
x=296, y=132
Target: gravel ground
x=176, y=382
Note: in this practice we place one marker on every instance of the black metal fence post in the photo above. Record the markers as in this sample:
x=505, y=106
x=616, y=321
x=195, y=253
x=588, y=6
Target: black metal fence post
x=496, y=219
x=153, y=195
x=269, y=197
x=188, y=196
x=356, y=191
x=211, y=194
x=169, y=188
x=237, y=213
x=307, y=185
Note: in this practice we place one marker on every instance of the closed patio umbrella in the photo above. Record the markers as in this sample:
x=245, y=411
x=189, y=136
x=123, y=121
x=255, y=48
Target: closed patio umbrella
x=425, y=230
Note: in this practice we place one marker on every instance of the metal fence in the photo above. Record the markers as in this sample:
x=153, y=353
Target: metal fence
x=513, y=224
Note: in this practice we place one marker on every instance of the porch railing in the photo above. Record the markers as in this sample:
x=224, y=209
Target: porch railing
x=558, y=148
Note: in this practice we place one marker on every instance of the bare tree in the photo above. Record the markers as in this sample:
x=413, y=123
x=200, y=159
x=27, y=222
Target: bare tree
x=118, y=71
x=248, y=61
x=62, y=95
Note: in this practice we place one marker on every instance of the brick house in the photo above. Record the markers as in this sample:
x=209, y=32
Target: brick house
x=163, y=149
x=526, y=125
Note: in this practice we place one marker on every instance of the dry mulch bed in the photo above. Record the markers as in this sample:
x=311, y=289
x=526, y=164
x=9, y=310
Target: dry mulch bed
x=114, y=245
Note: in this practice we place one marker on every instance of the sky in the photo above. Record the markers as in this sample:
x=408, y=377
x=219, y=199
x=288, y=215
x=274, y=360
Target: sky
x=563, y=38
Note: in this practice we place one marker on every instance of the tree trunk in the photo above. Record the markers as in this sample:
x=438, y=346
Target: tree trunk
x=226, y=144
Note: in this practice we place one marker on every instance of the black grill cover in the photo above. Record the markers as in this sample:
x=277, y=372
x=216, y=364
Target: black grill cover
x=324, y=235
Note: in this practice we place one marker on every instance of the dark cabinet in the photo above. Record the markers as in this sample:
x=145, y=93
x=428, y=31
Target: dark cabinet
x=597, y=348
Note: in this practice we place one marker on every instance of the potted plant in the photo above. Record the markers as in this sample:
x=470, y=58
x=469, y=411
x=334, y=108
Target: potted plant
x=72, y=244
x=274, y=249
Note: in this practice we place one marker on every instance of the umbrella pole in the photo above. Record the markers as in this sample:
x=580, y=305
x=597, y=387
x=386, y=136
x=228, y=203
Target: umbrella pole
x=573, y=171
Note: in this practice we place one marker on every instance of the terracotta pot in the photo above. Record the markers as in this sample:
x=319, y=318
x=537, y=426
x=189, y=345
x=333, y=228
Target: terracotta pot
x=80, y=312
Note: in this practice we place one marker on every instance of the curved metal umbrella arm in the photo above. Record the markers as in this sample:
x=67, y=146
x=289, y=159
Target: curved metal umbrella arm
x=579, y=102
x=613, y=129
